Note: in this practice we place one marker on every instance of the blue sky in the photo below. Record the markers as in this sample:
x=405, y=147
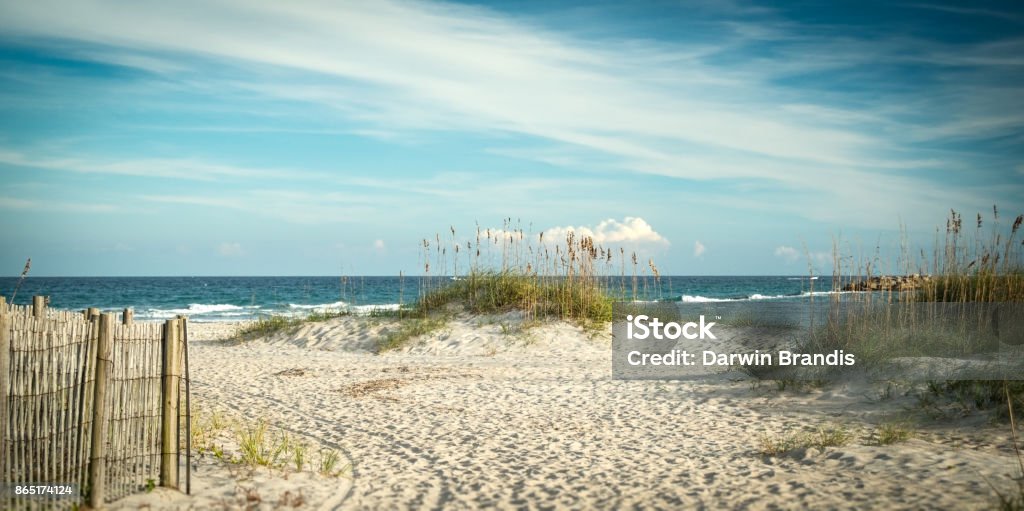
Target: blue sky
x=237, y=137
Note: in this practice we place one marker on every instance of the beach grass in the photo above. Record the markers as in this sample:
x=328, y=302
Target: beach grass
x=966, y=267
x=258, y=444
x=997, y=397
x=498, y=271
x=408, y=329
x=491, y=292
x=270, y=325
x=893, y=432
x=265, y=326
x=821, y=439
x=568, y=276
x=948, y=312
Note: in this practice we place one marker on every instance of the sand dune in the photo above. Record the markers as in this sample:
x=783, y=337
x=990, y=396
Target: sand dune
x=484, y=415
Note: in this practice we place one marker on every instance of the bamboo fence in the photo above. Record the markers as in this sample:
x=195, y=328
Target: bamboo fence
x=54, y=367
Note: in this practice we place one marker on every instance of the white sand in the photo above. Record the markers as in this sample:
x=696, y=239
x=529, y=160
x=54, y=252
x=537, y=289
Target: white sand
x=475, y=417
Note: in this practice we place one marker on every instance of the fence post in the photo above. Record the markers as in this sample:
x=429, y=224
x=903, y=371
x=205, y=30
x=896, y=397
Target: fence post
x=98, y=451
x=169, y=406
x=92, y=313
x=188, y=404
x=5, y=365
x=39, y=307
x=127, y=316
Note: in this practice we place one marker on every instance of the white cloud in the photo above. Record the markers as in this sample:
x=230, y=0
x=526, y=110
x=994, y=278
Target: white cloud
x=821, y=260
x=698, y=248
x=422, y=65
x=177, y=168
x=378, y=245
x=53, y=205
x=291, y=206
x=227, y=249
x=788, y=253
x=393, y=68
x=822, y=257
x=631, y=230
x=16, y=203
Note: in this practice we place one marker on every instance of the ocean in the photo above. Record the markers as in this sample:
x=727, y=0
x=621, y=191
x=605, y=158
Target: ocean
x=243, y=298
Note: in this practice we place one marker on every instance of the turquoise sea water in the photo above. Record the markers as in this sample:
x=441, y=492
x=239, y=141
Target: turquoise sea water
x=240, y=298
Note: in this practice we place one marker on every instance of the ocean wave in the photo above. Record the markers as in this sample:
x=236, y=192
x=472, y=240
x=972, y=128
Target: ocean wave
x=319, y=307
x=367, y=309
x=197, y=309
x=756, y=296
x=298, y=309
x=825, y=293
x=702, y=299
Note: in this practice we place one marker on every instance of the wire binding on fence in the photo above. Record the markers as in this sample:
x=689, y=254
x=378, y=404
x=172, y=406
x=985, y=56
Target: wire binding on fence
x=49, y=369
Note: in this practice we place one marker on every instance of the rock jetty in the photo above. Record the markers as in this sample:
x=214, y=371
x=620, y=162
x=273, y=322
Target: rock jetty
x=889, y=283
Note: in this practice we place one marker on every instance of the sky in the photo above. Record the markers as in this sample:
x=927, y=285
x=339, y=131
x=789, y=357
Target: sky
x=252, y=137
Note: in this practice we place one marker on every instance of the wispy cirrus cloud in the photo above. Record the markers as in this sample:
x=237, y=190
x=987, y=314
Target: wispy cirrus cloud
x=662, y=107
x=953, y=9
x=403, y=115
x=176, y=168
x=18, y=203
x=300, y=207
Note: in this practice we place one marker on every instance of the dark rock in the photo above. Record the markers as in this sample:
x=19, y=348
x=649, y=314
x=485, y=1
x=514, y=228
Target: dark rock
x=889, y=283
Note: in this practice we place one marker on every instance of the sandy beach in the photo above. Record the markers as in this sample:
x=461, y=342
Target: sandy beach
x=484, y=414
x=404, y=237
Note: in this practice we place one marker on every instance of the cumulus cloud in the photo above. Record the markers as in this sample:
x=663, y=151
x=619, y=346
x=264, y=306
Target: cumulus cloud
x=820, y=259
x=230, y=249
x=788, y=253
x=631, y=230
x=378, y=245
x=698, y=248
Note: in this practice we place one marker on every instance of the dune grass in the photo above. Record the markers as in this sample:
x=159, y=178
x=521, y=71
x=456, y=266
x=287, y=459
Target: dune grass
x=820, y=439
x=407, y=329
x=269, y=325
x=492, y=292
x=968, y=396
x=257, y=444
x=892, y=432
x=502, y=270
x=496, y=271
x=570, y=277
x=946, y=314
x=966, y=267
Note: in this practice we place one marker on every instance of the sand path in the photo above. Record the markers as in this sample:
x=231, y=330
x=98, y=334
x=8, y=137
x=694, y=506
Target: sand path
x=475, y=418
